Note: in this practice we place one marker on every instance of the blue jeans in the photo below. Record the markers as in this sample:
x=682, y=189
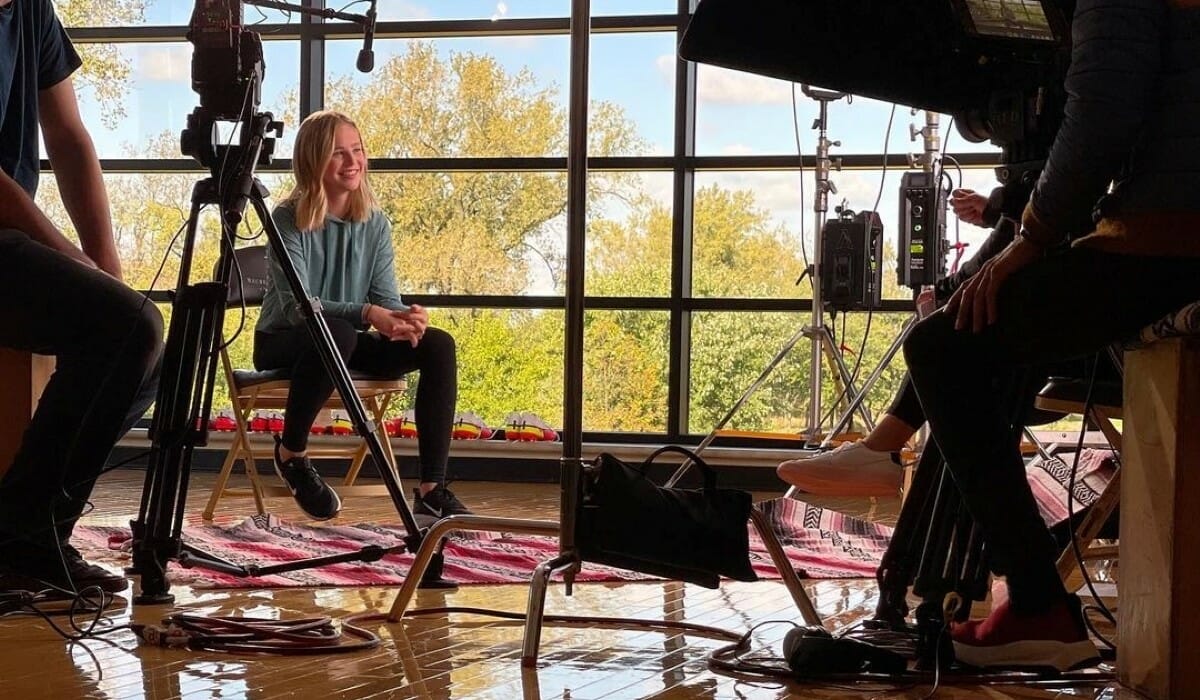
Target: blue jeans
x=107, y=342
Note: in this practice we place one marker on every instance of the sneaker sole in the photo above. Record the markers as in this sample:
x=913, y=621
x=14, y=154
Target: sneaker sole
x=1061, y=656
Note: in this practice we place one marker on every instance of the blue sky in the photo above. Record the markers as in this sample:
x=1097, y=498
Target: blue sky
x=738, y=113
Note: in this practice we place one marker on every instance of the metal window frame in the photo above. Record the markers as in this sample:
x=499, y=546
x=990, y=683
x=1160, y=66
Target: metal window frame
x=683, y=164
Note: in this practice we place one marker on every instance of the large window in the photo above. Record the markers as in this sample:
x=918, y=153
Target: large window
x=698, y=223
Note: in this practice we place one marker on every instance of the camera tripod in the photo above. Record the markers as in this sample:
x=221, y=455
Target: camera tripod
x=184, y=398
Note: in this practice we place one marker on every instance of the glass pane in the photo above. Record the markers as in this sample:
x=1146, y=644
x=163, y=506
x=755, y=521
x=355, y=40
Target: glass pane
x=632, y=87
x=140, y=112
x=743, y=113
x=503, y=96
x=634, y=7
x=625, y=371
x=472, y=9
x=133, y=13
x=474, y=232
x=629, y=234
x=739, y=113
x=509, y=361
x=147, y=212
x=747, y=224
x=731, y=350
x=745, y=230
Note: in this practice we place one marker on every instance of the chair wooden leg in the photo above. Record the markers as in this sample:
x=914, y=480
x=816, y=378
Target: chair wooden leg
x=223, y=478
x=1085, y=533
x=377, y=407
x=356, y=463
x=1104, y=419
x=256, y=486
x=251, y=461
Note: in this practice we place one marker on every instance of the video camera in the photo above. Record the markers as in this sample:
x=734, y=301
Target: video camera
x=997, y=66
x=228, y=71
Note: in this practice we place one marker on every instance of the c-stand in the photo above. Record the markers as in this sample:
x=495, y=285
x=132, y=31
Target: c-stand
x=821, y=344
x=928, y=161
x=227, y=71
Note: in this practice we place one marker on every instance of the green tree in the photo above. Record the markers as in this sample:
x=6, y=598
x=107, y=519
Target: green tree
x=474, y=232
x=739, y=251
x=105, y=71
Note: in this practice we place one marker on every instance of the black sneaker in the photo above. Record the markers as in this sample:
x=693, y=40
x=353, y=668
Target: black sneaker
x=311, y=492
x=39, y=568
x=439, y=503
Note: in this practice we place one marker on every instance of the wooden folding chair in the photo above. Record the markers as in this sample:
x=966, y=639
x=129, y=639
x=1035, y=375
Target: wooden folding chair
x=1071, y=396
x=251, y=390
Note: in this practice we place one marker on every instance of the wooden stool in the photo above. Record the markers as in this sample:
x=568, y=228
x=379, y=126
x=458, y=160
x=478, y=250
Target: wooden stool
x=23, y=376
x=1158, y=631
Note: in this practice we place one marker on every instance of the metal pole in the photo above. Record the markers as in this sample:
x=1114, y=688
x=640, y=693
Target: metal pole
x=820, y=207
x=577, y=139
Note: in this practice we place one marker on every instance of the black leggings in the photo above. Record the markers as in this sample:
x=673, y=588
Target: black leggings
x=106, y=340
x=1062, y=306
x=434, y=357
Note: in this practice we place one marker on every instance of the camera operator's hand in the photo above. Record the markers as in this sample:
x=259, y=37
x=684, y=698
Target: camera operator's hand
x=393, y=325
x=968, y=206
x=974, y=304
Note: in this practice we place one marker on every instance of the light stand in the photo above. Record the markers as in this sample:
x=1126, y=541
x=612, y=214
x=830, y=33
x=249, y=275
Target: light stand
x=227, y=72
x=928, y=162
x=821, y=340
x=819, y=335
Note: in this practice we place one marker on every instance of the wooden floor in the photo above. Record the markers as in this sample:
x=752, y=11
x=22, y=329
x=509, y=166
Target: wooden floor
x=455, y=656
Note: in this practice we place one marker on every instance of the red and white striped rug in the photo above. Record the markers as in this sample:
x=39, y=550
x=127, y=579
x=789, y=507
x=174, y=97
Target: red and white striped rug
x=820, y=543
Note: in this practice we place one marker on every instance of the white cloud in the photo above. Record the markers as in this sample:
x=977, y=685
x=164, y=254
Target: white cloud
x=390, y=10
x=724, y=86
x=164, y=64
x=737, y=149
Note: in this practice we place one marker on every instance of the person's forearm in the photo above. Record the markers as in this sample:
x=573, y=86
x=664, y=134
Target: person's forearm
x=18, y=212
x=81, y=184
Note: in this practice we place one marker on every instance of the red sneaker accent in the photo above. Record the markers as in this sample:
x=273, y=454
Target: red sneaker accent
x=275, y=422
x=1056, y=639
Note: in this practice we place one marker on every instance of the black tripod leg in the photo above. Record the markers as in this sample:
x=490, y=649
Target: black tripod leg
x=180, y=415
x=898, y=565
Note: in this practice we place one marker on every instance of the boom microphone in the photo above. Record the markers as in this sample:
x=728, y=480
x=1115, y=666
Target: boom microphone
x=366, y=57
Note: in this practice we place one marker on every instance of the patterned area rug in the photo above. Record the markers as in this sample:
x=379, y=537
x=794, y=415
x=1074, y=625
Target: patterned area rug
x=1049, y=480
x=820, y=543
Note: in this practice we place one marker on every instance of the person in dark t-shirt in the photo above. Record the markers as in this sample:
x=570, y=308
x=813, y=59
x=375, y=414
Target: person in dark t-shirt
x=64, y=300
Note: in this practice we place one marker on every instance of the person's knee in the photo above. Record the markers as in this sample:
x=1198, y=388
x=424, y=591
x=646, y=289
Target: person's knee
x=928, y=339
x=439, y=342
x=142, y=342
x=149, y=331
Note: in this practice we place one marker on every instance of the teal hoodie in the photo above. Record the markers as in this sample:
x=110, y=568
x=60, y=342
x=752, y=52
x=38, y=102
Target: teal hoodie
x=345, y=264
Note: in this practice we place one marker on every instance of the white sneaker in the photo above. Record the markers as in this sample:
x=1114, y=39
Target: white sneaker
x=850, y=469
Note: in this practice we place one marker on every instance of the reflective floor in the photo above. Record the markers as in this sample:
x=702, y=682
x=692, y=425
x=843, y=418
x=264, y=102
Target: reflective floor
x=452, y=655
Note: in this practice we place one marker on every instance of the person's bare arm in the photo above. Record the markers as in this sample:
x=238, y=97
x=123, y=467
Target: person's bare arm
x=18, y=212
x=77, y=170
